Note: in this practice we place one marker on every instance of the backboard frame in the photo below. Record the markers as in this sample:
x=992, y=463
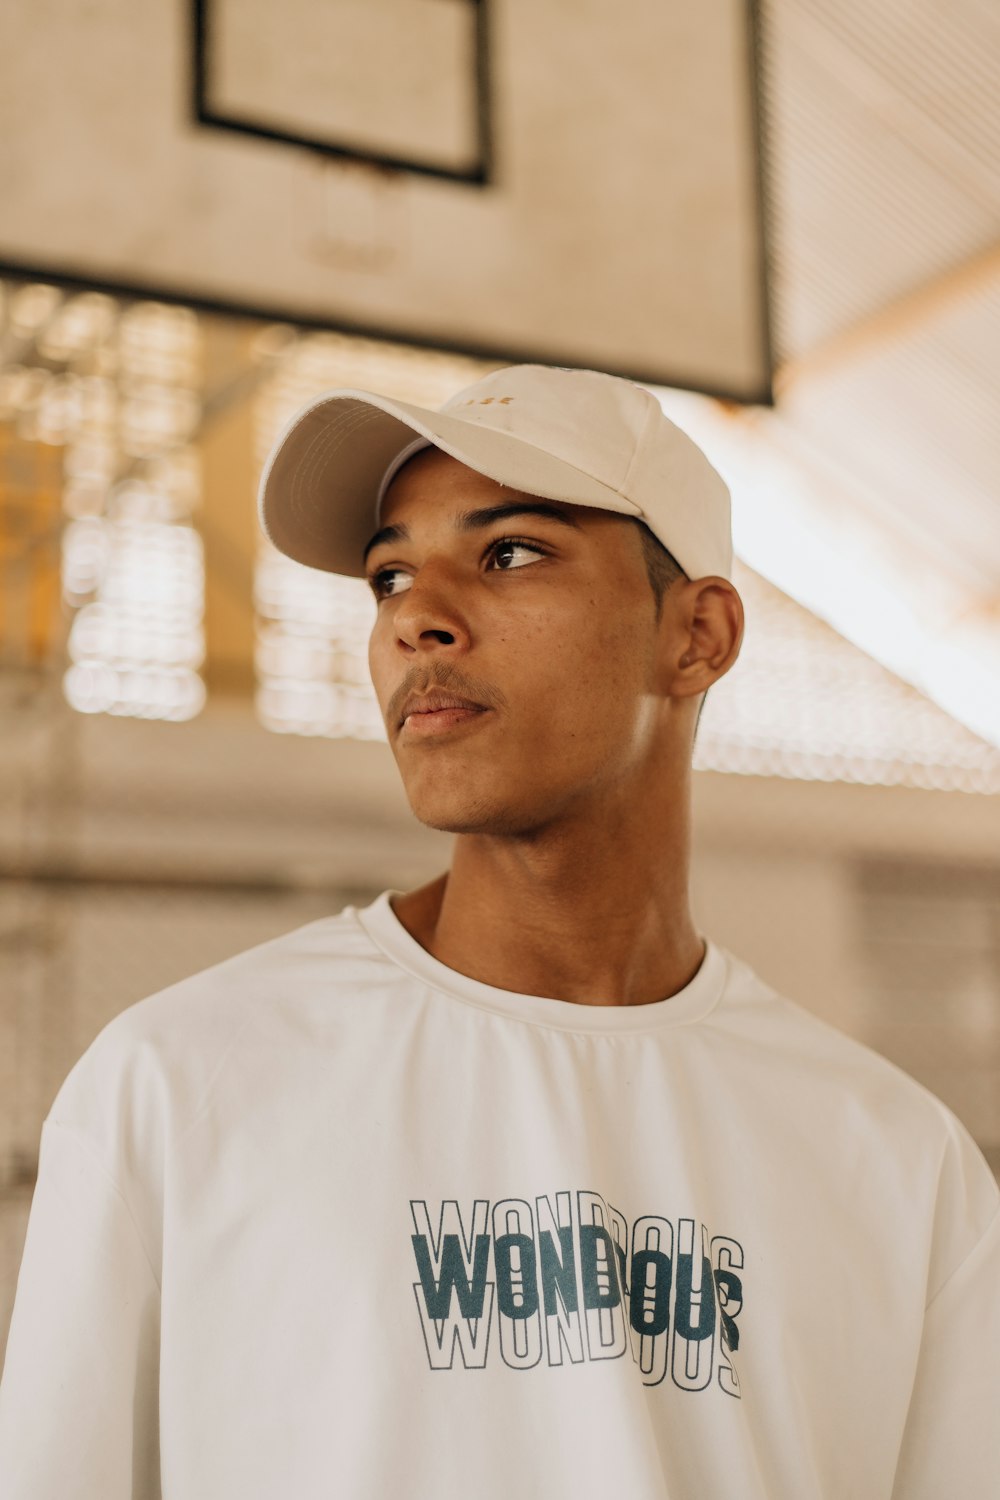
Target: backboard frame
x=494, y=351
x=479, y=175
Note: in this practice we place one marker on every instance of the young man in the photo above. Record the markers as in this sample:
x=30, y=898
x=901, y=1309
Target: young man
x=514, y=1184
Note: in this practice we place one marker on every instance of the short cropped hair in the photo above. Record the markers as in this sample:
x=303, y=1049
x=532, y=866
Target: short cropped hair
x=662, y=568
x=663, y=571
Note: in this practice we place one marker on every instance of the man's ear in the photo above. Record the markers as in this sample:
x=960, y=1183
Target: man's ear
x=707, y=634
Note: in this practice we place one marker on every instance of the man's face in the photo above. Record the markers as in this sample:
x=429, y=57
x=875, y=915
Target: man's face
x=546, y=620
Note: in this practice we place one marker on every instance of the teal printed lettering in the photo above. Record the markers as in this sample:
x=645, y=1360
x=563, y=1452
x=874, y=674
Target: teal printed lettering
x=649, y=1299
x=560, y=1290
x=597, y=1259
x=517, y=1283
x=727, y=1259
x=558, y=1271
x=515, y=1263
x=437, y=1294
x=454, y=1297
x=604, y=1315
x=694, y=1312
x=564, y=1276
x=650, y=1291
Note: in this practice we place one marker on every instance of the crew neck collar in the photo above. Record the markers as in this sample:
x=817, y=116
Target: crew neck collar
x=691, y=1003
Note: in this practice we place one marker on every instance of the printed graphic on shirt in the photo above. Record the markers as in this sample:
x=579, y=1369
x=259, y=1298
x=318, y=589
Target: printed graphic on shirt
x=567, y=1279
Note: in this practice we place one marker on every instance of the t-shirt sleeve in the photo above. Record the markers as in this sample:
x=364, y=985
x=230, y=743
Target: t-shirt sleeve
x=951, y=1444
x=79, y=1396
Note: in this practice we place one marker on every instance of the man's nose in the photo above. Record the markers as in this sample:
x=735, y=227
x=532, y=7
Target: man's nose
x=429, y=616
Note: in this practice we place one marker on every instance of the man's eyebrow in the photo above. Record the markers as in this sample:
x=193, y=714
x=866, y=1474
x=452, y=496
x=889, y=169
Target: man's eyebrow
x=478, y=520
x=387, y=534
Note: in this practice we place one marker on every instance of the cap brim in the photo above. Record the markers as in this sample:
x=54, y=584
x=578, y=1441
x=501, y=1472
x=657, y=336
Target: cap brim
x=319, y=487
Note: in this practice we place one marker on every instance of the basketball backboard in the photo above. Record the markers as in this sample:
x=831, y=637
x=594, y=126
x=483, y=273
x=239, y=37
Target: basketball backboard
x=518, y=179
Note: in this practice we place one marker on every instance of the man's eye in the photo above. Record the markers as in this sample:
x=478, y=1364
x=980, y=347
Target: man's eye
x=385, y=583
x=512, y=544
x=507, y=553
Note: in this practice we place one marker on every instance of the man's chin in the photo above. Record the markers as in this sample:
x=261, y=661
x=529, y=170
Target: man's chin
x=471, y=816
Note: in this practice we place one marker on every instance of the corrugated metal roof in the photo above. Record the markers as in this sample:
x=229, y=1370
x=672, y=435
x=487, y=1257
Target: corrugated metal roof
x=883, y=132
x=883, y=144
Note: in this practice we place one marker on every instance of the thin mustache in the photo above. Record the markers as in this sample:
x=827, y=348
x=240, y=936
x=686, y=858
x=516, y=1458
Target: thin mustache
x=447, y=681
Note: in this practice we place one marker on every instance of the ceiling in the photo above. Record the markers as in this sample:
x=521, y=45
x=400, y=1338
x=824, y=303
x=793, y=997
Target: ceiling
x=884, y=182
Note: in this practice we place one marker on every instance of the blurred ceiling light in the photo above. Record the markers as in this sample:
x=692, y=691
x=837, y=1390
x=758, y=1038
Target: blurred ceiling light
x=311, y=651
x=80, y=323
x=160, y=344
x=123, y=407
x=21, y=390
x=144, y=693
x=155, y=417
x=31, y=308
x=136, y=641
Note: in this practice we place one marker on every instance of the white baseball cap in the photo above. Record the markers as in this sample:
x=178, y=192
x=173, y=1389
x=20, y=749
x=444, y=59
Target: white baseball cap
x=571, y=435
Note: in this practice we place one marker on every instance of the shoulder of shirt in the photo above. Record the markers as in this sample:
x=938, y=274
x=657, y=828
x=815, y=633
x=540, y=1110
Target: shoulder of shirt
x=760, y=1016
x=184, y=1032
x=849, y=1082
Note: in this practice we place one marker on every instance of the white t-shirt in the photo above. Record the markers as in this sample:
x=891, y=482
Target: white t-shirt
x=332, y=1220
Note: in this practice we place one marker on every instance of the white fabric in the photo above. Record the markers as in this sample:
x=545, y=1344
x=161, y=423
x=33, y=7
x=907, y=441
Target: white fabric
x=261, y=1187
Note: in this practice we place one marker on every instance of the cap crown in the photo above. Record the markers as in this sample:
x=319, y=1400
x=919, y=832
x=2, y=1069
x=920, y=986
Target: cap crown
x=616, y=432
x=590, y=420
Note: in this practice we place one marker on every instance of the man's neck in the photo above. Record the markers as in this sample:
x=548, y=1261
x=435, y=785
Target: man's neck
x=607, y=924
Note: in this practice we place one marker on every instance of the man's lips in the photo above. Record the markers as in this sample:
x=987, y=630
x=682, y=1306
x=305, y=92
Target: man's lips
x=432, y=715
x=428, y=705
